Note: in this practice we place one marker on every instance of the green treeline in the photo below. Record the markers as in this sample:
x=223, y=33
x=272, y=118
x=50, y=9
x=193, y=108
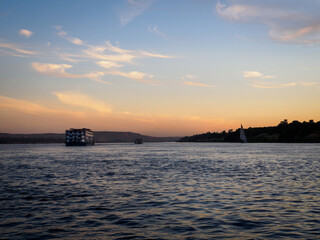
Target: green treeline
x=294, y=132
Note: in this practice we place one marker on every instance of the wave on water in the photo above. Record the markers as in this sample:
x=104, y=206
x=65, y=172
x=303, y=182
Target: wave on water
x=160, y=191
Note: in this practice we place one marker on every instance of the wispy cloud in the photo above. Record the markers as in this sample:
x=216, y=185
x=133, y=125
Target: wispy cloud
x=98, y=115
x=106, y=51
x=77, y=99
x=254, y=74
x=192, y=80
x=268, y=77
x=113, y=57
x=153, y=54
x=261, y=84
x=14, y=50
x=76, y=41
x=116, y=49
x=134, y=75
x=237, y=12
x=133, y=9
x=108, y=56
x=74, y=58
x=20, y=115
x=96, y=76
x=297, y=21
x=73, y=40
x=98, y=53
x=196, y=84
x=23, y=106
x=259, y=80
x=63, y=34
x=310, y=84
x=57, y=27
x=111, y=53
x=154, y=30
x=59, y=70
x=108, y=64
x=26, y=33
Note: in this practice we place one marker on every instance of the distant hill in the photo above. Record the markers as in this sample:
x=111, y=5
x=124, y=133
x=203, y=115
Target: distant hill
x=100, y=137
x=295, y=132
x=108, y=137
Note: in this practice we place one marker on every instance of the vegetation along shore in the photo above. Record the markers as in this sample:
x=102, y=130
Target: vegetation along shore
x=294, y=132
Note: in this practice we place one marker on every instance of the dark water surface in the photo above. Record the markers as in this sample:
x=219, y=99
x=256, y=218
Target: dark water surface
x=160, y=191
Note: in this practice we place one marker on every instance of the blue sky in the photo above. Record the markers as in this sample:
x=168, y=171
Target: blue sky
x=158, y=67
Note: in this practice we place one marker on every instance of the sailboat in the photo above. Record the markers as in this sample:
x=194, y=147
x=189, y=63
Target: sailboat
x=243, y=137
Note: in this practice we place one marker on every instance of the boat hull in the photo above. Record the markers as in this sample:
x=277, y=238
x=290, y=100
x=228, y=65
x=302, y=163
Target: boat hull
x=138, y=141
x=79, y=144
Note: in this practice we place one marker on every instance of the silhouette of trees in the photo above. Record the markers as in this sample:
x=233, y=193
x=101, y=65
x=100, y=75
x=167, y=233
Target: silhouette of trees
x=294, y=132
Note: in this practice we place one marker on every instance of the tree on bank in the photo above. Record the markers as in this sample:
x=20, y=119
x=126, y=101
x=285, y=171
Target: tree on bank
x=294, y=132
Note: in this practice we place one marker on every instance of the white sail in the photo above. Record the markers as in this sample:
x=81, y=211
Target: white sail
x=243, y=137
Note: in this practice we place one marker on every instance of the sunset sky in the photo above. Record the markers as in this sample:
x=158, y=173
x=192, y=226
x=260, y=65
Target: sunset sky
x=162, y=68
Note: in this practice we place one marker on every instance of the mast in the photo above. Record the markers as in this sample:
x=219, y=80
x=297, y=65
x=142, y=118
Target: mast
x=243, y=137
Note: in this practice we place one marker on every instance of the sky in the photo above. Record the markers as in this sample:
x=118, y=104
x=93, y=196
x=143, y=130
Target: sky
x=158, y=67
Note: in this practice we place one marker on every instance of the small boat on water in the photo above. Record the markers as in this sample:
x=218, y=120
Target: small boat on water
x=243, y=137
x=138, y=141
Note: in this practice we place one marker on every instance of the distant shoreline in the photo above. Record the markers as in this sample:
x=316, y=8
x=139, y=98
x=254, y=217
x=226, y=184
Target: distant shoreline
x=100, y=137
x=284, y=132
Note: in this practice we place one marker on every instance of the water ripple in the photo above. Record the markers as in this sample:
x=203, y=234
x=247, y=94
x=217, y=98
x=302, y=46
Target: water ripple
x=160, y=191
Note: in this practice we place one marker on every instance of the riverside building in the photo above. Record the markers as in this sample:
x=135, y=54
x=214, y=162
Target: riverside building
x=79, y=137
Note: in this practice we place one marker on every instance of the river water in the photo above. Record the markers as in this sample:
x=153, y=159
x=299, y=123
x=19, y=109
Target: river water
x=160, y=191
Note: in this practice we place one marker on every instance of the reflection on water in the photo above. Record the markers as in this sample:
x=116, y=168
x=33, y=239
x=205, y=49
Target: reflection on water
x=160, y=191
